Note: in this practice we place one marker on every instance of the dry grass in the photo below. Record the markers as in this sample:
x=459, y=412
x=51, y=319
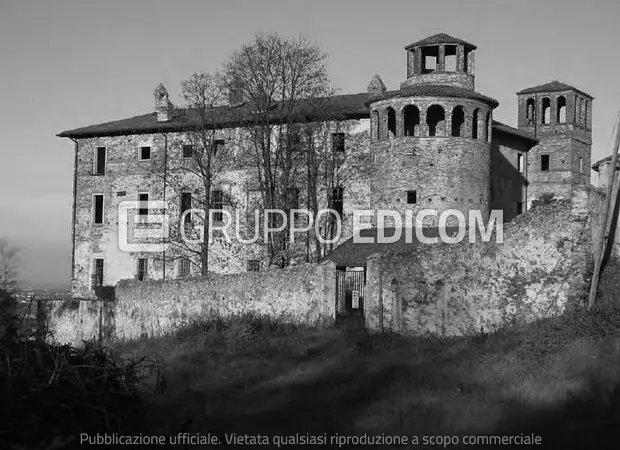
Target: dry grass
x=558, y=379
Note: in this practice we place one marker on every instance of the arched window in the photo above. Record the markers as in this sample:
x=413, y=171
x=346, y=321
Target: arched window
x=474, y=125
x=487, y=123
x=588, y=113
x=391, y=121
x=411, y=120
x=435, y=119
x=577, y=110
x=561, y=109
x=530, y=108
x=376, y=124
x=458, y=119
x=583, y=112
x=546, y=111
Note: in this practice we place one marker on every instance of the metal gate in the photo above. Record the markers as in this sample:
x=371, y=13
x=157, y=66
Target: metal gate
x=350, y=292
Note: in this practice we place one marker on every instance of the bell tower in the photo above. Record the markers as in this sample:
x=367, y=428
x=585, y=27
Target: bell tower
x=560, y=117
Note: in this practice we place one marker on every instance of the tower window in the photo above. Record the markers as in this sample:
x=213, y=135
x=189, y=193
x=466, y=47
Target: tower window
x=474, y=125
x=412, y=197
x=218, y=204
x=530, y=109
x=391, y=121
x=100, y=161
x=580, y=165
x=253, y=265
x=143, y=210
x=546, y=111
x=561, y=109
x=338, y=142
x=142, y=269
x=430, y=56
x=411, y=120
x=450, y=58
x=98, y=209
x=544, y=163
x=458, y=119
x=583, y=114
x=186, y=203
x=188, y=151
x=145, y=153
x=337, y=199
x=435, y=119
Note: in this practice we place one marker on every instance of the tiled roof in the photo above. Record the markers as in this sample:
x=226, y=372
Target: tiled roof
x=435, y=90
x=441, y=38
x=503, y=128
x=353, y=254
x=336, y=107
x=598, y=163
x=553, y=86
x=349, y=106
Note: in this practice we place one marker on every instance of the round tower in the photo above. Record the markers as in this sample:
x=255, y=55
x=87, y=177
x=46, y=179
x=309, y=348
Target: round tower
x=431, y=140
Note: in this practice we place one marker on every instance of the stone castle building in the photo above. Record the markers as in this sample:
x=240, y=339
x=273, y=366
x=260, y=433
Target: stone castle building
x=431, y=144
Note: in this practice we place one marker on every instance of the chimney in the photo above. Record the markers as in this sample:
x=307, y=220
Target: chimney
x=163, y=105
x=376, y=85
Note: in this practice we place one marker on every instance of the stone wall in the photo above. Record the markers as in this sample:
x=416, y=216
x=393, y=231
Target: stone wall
x=539, y=270
x=301, y=294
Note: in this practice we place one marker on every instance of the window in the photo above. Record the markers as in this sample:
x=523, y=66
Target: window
x=412, y=197
x=411, y=120
x=100, y=161
x=143, y=210
x=145, y=153
x=253, y=265
x=186, y=203
x=530, y=106
x=292, y=198
x=98, y=209
x=97, y=275
x=184, y=267
x=520, y=167
x=188, y=151
x=391, y=121
x=218, y=203
x=544, y=163
x=458, y=120
x=519, y=207
x=218, y=146
x=435, y=119
x=561, y=109
x=474, y=125
x=142, y=269
x=337, y=199
x=338, y=142
x=546, y=111
x=580, y=165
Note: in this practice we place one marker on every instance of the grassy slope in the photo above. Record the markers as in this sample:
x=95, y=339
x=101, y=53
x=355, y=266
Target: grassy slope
x=558, y=378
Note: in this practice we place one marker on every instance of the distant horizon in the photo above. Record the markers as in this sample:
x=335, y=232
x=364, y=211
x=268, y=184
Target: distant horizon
x=69, y=64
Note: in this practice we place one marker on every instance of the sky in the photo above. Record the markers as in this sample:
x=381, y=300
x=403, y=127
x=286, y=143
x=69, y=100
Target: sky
x=66, y=64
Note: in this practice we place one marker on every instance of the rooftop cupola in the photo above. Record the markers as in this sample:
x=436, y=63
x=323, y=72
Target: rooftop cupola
x=441, y=59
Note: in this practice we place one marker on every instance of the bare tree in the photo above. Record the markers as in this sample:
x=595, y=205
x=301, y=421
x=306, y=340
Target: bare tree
x=279, y=79
x=8, y=265
x=192, y=178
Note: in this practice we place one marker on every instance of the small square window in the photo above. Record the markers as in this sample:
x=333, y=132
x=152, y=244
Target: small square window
x=218, y=147
x=412, y=197
x=188, y=151
x=253, y=265
x=145, y=153
x=544, y=163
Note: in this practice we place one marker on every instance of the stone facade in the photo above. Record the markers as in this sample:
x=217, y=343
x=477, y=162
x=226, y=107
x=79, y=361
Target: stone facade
x=304, y=294
x=560, y=116
x=432, y=144
x=539, y=270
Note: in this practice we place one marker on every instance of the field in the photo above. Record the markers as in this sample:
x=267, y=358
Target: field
x=556, y=380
